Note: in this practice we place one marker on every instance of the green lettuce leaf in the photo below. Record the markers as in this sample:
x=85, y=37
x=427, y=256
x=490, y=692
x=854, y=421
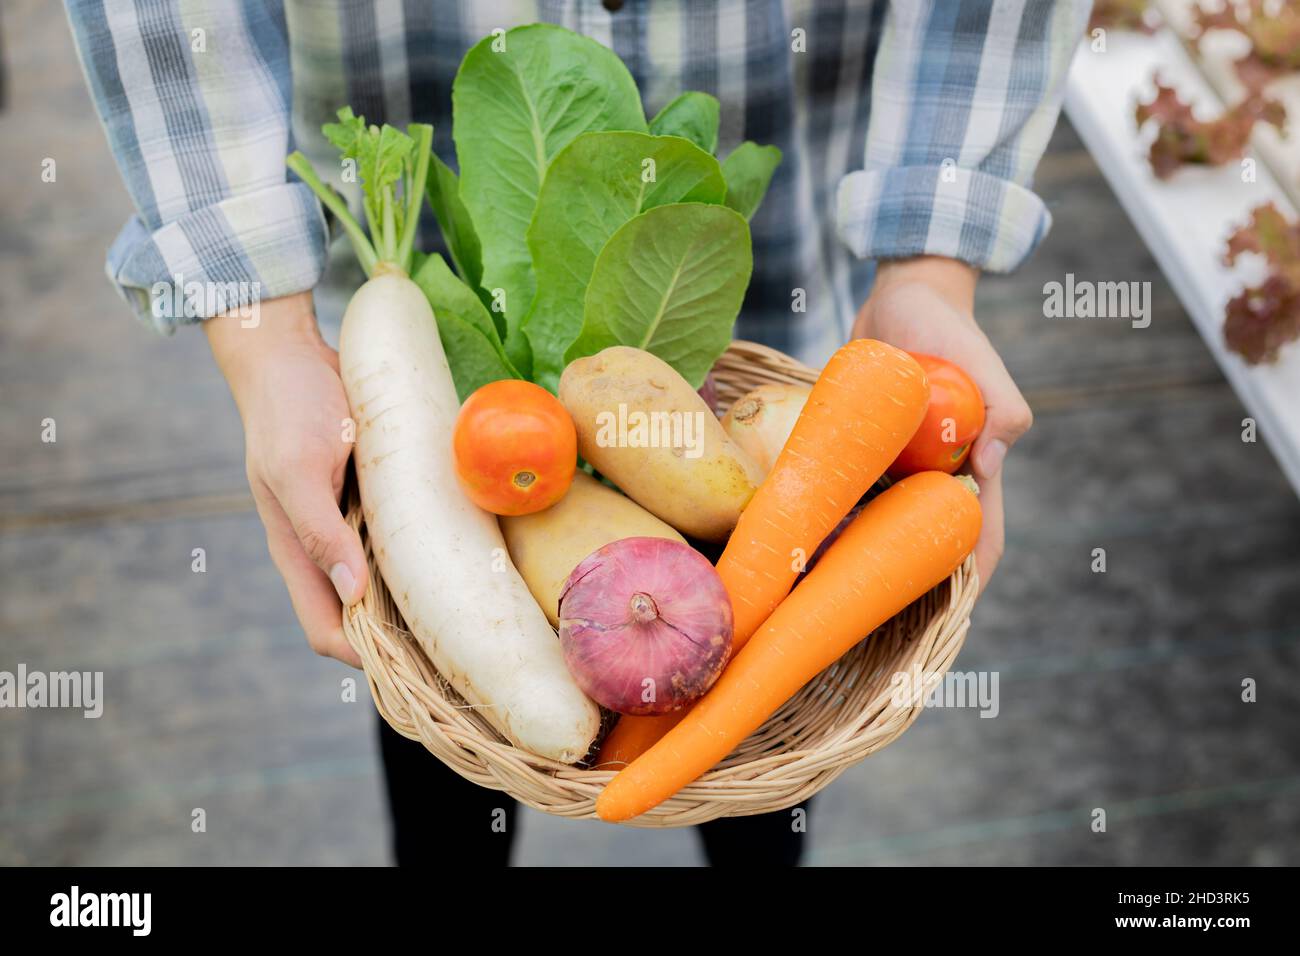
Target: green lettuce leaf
x=693, y=116
x=517, y=100
x=593, y=186
x=748, y=171
x=468, y=334
x=670, y=281
x=443, y=190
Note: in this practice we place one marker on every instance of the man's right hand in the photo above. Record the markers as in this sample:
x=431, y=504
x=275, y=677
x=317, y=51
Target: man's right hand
x=285, y=381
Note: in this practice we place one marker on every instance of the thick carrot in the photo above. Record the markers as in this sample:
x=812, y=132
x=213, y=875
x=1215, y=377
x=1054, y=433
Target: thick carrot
x=866, y=406
x=904, y=542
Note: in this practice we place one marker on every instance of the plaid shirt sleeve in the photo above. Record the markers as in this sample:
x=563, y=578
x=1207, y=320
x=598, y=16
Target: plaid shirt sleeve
x=195, y=99
x=964, y=98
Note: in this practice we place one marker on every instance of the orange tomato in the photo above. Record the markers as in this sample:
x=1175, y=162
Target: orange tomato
x=515, y=448
x=952, y=422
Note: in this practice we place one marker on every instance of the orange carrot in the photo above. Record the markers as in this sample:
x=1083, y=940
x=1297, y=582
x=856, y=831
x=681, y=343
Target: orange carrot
x=906, y=541
x=866, y=406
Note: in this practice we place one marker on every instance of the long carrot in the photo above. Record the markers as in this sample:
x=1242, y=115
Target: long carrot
x=864, y=409
x=903, y=543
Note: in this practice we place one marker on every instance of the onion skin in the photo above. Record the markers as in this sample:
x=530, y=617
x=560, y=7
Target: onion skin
x=761, y=420
x=645, y=625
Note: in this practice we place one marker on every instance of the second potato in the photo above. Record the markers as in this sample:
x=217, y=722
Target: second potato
x=643, y=426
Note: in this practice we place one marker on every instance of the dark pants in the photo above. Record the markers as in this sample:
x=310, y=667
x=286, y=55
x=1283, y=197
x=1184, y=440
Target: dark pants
x=433, y=807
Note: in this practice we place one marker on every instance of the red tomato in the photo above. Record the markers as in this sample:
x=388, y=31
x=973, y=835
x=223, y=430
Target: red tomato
x=515, y=448
x=952, y=422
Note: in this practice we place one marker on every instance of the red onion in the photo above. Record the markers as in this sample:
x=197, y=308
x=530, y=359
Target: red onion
x=645, y=624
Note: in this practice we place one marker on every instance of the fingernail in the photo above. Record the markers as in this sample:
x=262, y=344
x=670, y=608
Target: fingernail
x=344, y=582
x=991, y=457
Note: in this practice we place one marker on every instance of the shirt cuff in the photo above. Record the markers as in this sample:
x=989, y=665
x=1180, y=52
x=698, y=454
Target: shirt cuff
x=991, y=223
x=229, y=256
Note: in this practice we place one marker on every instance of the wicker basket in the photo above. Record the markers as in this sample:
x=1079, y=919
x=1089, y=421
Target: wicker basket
x=842, y=716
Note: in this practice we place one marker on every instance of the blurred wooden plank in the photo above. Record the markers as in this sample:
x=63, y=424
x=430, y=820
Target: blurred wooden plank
x=148, y=510
x=211, y=699
x=336, y=807
x=138, y=416
x=1189, y=774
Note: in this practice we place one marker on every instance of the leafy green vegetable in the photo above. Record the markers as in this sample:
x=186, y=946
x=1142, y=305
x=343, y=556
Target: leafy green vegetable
x=468, y=334
x=748, y=171
x=670, y=281
x=385, y=158
x=570, y=228
x=693, y=116
x=518, y=99
x=593, y=186
x=1182, y=137
x=1273, y=32
x=443, y=189
x=1264, y=317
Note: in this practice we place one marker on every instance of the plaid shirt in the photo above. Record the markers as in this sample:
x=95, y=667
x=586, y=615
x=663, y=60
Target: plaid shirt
x=907, y=127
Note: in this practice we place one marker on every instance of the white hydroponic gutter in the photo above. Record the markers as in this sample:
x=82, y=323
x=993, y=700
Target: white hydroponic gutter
x=1186, y=220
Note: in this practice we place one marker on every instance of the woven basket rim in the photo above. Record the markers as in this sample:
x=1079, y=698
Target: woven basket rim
x=842, y=716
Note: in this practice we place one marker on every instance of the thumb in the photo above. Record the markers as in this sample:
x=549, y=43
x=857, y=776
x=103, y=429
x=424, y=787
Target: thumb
x=327, y=539
x=1007, y=416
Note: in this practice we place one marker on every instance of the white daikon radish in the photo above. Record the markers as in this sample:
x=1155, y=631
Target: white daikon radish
x=442, y=557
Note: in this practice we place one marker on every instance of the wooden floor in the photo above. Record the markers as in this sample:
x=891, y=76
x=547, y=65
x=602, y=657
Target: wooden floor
x=1119, y=691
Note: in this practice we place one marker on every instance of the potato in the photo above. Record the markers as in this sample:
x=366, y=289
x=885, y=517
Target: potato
x=643, y=426
x=546, y=545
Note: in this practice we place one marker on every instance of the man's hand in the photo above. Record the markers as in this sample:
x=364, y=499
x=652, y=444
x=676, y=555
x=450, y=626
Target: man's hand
x=285, y=381
x=926, y=305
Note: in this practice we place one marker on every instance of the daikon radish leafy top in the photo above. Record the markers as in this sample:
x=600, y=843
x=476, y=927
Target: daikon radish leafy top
x=384, y=158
